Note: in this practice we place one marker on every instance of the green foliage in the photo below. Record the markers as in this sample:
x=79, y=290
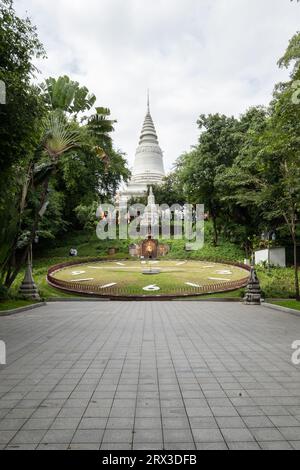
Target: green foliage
x=101, y=127
x=3, y=293
x=20, y=116
x=223, y=252
x=292, y=54
x=170, y=191
x=277, y=282
x=86, y=216
x=66, y=95
x=247, y=171
x=199, y=169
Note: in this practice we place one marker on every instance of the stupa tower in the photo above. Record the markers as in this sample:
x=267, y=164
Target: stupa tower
x=148, y=166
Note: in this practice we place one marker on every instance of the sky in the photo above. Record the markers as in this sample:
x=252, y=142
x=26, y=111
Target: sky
x=195, y=56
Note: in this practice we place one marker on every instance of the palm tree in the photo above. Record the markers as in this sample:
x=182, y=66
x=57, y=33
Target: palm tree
x=68, y=96
x=58, y=138
x=101, y=127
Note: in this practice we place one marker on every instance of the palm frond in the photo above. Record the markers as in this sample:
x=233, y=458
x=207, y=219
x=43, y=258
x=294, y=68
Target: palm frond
x=59, y=136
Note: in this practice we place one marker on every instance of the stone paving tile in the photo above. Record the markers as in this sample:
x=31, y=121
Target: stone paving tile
x=147, y=436
x=21, y=447
x=6, y=436
x=204, y=412
x=267, y=434
x=92, y=423
x=86, y=435
x=71, y=413
x=65, y=423
x=118, y=446
x=207, y=435
x=9, y=424
x=152, y=413
x=124, y=436
x=147, y=446
x=291, y=434
x=176, y=423
x=203, y=423
x=295, y=445
x=37, y=424
x=224, y=411
x=230, y=423
x=180, y=446
x=237, y=435
x=258, y=422
x=46, y=413
x=243, y=446
x=52, y=447
x=20, y=413
x=58, y=436
x=284, y=421
x=211, y=446
x=84, y=446
x=177, y=375
x=28, y=437
x=178, y=435
x=146, y=423
x=3, y=413
x=246, y=411
x=276, y=445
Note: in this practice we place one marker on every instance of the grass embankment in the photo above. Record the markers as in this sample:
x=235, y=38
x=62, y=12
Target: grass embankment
x=11, y=304
x=293, y=304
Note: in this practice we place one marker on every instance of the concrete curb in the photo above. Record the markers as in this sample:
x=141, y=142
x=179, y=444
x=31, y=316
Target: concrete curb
x=75, y=299
x=281, y=309
x=7, y=313
x=121, y=299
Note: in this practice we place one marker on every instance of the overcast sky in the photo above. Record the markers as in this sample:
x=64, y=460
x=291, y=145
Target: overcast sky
x=196, y=56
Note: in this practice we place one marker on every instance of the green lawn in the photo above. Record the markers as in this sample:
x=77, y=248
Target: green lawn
x=13, y=304
x=294, y=304
x=174, y=278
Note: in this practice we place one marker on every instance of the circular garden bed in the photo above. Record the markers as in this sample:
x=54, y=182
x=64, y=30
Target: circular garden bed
x=127, y=279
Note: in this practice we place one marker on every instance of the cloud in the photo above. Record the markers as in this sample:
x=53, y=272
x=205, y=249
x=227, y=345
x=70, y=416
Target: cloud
x=196, y=56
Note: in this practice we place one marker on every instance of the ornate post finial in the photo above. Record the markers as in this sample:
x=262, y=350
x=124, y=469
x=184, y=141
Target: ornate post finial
x=148, y=101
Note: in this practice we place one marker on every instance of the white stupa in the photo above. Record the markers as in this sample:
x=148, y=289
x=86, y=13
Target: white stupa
x=148, y=166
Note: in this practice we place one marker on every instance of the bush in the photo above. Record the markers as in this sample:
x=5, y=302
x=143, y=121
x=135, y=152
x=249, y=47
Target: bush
x=277, y=282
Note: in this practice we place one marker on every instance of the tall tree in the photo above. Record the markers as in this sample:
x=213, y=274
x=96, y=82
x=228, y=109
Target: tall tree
x=58, y=138
x=241, y=218
x=198, y=169
x=20, y=116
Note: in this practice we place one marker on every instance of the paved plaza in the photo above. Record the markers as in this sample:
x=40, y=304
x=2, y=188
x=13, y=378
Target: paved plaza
x=149, y=375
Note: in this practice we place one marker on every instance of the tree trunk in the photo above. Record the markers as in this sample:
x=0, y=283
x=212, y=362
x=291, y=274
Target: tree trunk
x=297, y=290
x=10, y=261
x=215, y=237
x=11, y=277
